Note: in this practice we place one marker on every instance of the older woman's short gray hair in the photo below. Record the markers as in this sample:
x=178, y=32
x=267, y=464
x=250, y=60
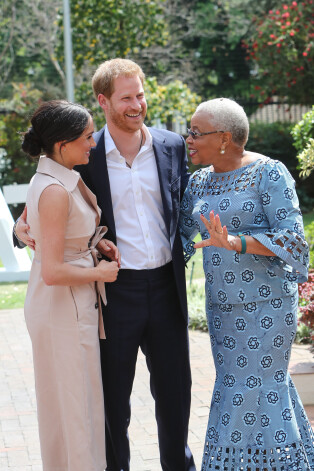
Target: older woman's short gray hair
x=227, y=115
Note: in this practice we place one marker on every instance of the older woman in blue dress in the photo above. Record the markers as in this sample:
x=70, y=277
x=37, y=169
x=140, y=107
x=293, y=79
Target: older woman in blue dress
x=254, y=253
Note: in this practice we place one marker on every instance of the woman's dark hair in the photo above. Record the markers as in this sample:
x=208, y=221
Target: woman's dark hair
x=54, y=121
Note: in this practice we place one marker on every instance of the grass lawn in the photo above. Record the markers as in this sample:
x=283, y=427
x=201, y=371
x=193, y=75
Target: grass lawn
x=12, y=295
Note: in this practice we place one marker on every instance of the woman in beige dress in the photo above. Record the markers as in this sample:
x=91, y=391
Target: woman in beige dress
x=62, y=306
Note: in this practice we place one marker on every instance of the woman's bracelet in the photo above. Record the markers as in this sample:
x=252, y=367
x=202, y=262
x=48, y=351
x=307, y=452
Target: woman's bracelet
x=243, y=243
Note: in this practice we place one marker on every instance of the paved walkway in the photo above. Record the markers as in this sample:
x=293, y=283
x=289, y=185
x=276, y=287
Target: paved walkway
x=19, y=446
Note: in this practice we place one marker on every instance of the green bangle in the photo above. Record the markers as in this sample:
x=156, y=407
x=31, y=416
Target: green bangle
x=243, y=243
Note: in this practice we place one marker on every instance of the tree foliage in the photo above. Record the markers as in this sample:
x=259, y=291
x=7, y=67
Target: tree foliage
x=7, y=22
x=14, y=164
x=281, y=50
x=170, y=102
x=29, y=35
x=114, y=28
x=216, y=34
x=205, y=46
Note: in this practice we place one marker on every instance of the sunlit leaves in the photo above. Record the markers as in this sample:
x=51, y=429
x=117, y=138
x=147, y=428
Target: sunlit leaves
x=114, y=28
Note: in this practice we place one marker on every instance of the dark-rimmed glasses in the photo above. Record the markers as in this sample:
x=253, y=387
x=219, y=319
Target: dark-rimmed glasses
x=194, y=135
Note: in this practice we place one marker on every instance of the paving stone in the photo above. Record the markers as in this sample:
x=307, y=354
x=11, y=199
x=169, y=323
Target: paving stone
x=19, y=442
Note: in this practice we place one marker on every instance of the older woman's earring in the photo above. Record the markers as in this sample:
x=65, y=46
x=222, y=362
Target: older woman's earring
x=222, y=150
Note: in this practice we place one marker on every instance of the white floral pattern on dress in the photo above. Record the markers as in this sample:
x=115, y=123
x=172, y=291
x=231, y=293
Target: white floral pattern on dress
x=256, y=419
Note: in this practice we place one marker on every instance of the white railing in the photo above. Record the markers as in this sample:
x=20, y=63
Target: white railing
x=16, y=261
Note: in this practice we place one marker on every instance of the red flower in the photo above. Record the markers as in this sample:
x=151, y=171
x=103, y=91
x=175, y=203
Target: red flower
x=292, y=33
x=285, y=7
x=304, y=54
x=294, y=4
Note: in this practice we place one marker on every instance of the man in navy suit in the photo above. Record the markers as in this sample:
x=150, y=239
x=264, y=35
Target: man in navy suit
x=138, y=175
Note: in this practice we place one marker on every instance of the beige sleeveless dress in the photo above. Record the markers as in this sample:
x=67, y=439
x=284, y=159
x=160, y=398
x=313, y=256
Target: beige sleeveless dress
x=64, y=326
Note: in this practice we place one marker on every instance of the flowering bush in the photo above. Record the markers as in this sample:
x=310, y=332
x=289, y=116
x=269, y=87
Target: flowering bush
x=306, y=307
x=282, y=48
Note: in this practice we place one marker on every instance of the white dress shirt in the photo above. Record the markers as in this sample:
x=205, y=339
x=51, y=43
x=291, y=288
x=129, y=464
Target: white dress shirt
x=137, y=207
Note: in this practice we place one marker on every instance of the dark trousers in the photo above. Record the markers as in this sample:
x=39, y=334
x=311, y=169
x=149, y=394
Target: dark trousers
x=143, y=311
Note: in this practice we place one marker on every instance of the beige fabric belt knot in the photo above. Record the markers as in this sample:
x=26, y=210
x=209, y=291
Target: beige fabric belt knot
x=100, y=286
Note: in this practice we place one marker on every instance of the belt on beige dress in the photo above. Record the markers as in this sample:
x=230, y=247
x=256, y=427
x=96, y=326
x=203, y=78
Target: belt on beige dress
x=100, y=286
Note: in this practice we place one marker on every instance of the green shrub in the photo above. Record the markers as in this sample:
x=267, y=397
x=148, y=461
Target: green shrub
x=276, y=141
x=303, y=334
x=303, y=134
x=309, y=235
x=303, y=130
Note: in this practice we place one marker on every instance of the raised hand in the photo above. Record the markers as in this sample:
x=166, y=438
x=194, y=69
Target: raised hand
x=219, y=236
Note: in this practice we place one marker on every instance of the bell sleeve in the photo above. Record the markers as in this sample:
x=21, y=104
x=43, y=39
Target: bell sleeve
x=285, y=235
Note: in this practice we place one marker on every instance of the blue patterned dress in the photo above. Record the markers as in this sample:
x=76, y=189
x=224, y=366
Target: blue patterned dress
x=256, y=421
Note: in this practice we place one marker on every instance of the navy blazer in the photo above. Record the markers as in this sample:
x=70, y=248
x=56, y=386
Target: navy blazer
x=171, y=159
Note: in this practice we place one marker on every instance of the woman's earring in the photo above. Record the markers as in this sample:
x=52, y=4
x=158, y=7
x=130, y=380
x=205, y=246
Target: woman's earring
x=222, y=150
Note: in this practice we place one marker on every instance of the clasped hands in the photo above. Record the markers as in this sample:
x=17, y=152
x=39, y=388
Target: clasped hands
x=219, y=236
